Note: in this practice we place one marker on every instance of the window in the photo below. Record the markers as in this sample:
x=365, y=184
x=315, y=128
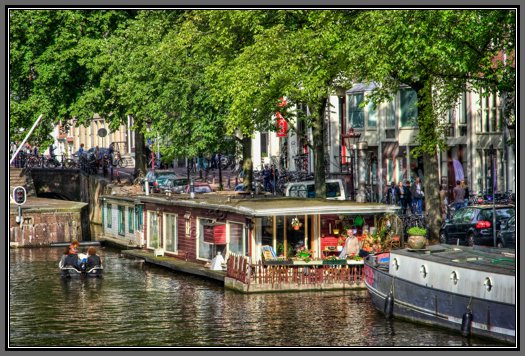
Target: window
x=131, y=220
x=462, y=116
x=390, y=170
x=153, y=230
x=205, y=248
x=139, y=217
x=390, y=114
x=238, y=240
x=121, y=220
x=109, y=215
x=372, y=115
x=170, y=232
x=408, y=99
x=356, y=116
x=490, y=118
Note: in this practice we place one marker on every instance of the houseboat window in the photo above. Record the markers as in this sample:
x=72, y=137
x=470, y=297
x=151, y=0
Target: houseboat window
x=390, y=114
x=170, y=232
x=238, y=242
x=131, y=220
x=139, y=219
x=121, y=220
x=205, y=249
x=109, y=215
x=153, y=230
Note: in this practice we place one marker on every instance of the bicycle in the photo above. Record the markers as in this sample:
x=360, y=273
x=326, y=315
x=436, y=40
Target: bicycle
x=118, y=161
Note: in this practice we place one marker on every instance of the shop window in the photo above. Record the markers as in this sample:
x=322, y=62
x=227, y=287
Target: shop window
x=131, y=220
x=109, y=215
x=356, y=115
x=121, y=220
x=408, y=101
x=170, y=232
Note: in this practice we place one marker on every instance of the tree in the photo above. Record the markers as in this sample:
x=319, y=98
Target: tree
x=50, y=55
x=437, y=53
x=296, y=55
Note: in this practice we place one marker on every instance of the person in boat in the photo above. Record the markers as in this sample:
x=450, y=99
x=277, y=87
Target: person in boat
x=71, y=259
x=74, y=245
x=64, y=256
x=351, y=246
x=93, y=260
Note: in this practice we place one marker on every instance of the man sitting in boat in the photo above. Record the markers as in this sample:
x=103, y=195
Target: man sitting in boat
x=71, y=259
x=351, y=247
x=93, y=260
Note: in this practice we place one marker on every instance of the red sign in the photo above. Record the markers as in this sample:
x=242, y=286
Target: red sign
x=282, y=125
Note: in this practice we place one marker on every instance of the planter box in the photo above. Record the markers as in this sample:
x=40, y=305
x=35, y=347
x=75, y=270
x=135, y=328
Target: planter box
x=158, y=252
x=335, y=262
x=277, y=262
x=309, y=263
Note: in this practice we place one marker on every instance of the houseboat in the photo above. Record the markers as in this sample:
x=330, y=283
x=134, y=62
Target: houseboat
x=299, y=234
x=468, y=289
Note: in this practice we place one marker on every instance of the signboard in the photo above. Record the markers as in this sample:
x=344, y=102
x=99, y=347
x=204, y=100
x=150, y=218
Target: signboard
x=282, y=125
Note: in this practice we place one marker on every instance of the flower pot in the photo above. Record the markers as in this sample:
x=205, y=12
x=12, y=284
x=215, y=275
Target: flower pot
x=296, y=227
x=417, y=242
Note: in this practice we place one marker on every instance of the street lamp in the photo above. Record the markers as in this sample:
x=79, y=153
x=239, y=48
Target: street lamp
x=351, y=138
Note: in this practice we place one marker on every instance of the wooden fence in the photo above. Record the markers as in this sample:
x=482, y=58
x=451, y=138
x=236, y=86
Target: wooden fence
x=239, y=268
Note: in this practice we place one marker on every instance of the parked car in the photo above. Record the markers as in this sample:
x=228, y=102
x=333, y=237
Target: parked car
x=200, y=187
x=472, y=225
x=175, y=185
x=507, y=235
x=334, y=189
x=153, y=177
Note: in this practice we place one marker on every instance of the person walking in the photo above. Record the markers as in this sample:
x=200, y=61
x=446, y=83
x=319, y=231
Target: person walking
x=443, y=201
x=467, y=193
x=417, y=196
x=459, y=195
x=401, y=196
x=408, y=198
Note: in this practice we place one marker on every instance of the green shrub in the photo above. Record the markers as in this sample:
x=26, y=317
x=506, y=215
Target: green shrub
x=417, y=231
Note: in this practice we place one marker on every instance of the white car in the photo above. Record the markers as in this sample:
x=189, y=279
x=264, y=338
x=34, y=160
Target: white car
x=334, y=189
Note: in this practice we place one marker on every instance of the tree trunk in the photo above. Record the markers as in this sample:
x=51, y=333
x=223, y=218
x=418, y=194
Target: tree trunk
x=432, y=199
x=247, y=165
x=319, y=163
x=140, y=161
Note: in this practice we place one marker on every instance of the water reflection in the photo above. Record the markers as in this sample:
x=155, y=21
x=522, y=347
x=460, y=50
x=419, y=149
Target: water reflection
x=136, y=304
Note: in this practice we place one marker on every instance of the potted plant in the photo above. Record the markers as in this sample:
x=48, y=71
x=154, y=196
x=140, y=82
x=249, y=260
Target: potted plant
x=417, y=237
x=296, y=224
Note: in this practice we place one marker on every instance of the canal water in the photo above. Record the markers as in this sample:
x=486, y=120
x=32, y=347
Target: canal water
x=140, y=305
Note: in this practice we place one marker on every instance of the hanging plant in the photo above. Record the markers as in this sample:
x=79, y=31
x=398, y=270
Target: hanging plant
x=296, y=224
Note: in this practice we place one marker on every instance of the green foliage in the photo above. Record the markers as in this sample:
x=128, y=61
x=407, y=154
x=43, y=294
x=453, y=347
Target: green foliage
x=417, y=231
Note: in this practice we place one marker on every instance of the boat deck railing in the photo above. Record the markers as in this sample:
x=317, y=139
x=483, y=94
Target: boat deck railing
x=303, y=275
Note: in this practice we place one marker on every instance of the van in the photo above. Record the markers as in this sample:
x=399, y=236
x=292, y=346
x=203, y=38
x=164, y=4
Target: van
x=334, y=189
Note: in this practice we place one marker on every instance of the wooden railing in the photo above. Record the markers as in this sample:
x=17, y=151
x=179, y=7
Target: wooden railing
x=239, y=268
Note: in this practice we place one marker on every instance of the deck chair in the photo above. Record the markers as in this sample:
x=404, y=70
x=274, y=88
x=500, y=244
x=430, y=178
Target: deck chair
x=268, y=252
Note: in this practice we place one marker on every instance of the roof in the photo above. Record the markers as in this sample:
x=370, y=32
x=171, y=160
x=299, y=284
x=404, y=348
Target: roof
x=268, y=206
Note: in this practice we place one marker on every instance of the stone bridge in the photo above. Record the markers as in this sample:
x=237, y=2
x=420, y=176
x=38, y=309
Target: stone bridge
x=57, y=183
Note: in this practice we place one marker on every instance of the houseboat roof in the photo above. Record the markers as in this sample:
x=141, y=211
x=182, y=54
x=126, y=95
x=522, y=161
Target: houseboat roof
x=267, y=206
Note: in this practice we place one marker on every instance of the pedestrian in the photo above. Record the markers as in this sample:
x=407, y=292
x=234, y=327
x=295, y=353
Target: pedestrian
x=274, y=176
x=408, y=197
x=51, y=151
x=111, y=150
x=35, y=150
x=392, y=194
x=417, y=196
x=401, y=196
x=266, y=178
x=467, y=193
x=81, y=150
x=459, y=195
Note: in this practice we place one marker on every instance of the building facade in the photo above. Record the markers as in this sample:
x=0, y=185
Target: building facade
x=387, y=136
